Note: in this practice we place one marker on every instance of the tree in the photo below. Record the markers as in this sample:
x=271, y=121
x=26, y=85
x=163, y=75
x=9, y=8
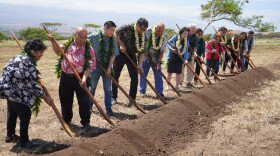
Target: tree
x=169, y=33
x=3, y=37
x=30, y=33
x=232, y=10
x=52, y=27
x=95, y=27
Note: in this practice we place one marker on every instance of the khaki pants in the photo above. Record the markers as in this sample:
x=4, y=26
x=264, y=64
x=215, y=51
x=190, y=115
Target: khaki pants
x=190, y=75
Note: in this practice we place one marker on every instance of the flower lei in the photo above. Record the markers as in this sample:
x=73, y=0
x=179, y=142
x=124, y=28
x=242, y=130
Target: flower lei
x=87, y=56
x=38, y=101
x=156, y=47
x=232, y=44
x=105, y=54
x=139, y=49
x=178, y=45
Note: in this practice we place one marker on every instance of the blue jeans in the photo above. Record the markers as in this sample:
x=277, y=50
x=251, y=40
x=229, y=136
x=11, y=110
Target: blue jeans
x=243, y=61
x=215, y=66
x=94, y=77
x=157, y=76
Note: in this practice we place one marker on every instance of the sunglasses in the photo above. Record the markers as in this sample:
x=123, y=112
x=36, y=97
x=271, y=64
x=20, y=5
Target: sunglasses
x=199, y=34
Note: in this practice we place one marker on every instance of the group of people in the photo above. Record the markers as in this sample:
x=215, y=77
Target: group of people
x=111, y=50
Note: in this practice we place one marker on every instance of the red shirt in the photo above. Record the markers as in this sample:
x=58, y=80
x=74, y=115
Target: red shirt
x=76, y=56
x=217, y=47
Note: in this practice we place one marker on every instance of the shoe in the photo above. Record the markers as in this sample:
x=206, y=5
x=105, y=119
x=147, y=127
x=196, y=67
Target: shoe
x=167, y=87
x=109, y=112
x=195, y=82
x=129, y=104
x=162, y=95
x=114, y=101
x=223, y=72
x=189, y=85
x=86, y=127
x=14, y=138
x=142, y=95
x=29, y=145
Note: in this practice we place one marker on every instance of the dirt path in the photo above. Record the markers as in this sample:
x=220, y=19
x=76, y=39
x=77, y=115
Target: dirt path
x=169, y=128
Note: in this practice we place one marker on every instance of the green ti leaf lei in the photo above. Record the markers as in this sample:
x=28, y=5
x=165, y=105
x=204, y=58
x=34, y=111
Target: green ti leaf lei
x=148, y=50
x=105, y=55
x=87, y=57
x=38, y=101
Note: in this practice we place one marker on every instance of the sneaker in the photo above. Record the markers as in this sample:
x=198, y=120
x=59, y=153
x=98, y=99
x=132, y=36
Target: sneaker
x=109, y=112
x=142, y=95
x=29, y=145
x=189, y=85
x=14, y=138
x=223, y=72
x=86, y=127
x=114, y=101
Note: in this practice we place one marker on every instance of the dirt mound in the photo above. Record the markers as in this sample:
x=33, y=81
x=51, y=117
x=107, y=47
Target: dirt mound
x=166, y=129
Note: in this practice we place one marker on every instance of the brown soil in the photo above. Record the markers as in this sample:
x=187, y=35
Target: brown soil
x=167, y=129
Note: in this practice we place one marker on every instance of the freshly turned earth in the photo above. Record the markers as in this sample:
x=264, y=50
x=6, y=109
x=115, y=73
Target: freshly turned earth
x=168, y=128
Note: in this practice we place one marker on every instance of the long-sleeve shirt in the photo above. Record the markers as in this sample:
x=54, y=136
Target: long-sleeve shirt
x=18, y=82
x=218, y=47
x=173, y=42
x=200, y=47
x=154, y=53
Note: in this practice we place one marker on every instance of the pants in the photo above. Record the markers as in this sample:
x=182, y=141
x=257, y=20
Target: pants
x=67, y=86
x=215, y=66
x=22, y=111
x=227, y=58
x=94, y=77
x=243, y=60
x=190, y=75
x=120, y=61
x=157, y=77
x=197, y=68
x=234, y=59
x=246, y=64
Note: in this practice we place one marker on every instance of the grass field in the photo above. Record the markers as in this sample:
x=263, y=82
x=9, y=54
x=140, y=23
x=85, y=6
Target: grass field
x=259, y=117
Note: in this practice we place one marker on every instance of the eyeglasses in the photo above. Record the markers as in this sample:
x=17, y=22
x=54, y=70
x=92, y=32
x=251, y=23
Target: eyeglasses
x=199, y=34
x=82, y=38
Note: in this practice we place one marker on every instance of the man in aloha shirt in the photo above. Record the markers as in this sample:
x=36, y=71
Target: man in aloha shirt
x=79, y=53
x=132, y=40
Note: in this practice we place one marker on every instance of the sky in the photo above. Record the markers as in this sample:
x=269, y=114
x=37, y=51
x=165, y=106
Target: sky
x=73, y=13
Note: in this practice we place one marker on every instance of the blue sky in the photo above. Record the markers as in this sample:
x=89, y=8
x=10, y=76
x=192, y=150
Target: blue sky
x=78, y=12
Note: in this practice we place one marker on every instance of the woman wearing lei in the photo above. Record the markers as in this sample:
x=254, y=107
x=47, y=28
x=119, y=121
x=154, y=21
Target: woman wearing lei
x=82, y=57
x=106, y=49
x=243, y=50
x=155, y=50
x=19, y=85
x=233, y=47
x=174, y=63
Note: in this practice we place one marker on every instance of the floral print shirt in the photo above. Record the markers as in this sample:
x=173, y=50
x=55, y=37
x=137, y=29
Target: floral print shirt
x=18, y=82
